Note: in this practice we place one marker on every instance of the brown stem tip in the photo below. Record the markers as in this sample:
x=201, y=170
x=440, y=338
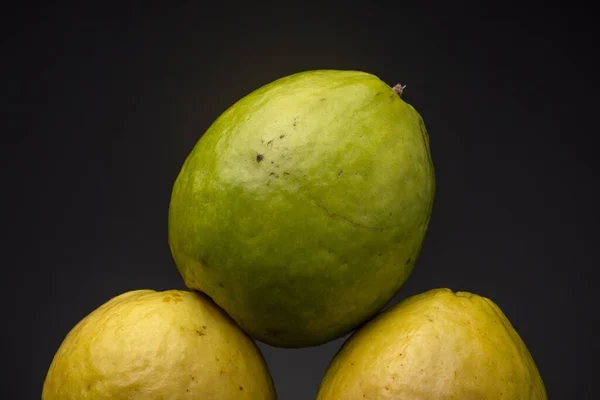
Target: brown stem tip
x=398, y=89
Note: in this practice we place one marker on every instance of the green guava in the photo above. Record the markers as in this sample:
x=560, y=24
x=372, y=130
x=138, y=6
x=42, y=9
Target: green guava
x=303, y=208
x=437, y=345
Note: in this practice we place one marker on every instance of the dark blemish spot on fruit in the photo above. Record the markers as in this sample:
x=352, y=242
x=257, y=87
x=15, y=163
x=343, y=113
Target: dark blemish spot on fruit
x=340, y=172
x=272, y=173
x=378, y=94
x=281, y=137
x=89, y=387
x=241, y=388
x=259, y=157
x=286, y=173
x=203, y=326
x=273, y=332
x=193, y=378
x=220, y=284
x=408, y=261
x=200, y=333
x=352, y=363
x=322, y=99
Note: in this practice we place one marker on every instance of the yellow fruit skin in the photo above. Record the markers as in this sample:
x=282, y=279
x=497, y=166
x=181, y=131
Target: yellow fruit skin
x=437, y=345
x=166, y=345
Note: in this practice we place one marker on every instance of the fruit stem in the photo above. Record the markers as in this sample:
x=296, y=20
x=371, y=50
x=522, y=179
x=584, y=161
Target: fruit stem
x=398, y=89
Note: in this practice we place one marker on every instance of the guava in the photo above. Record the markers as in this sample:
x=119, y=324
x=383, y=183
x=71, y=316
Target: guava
x=437, y=345
x=303, y=208
x=145, y=344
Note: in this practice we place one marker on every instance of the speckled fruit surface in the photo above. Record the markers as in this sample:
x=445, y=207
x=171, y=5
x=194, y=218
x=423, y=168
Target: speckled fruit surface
x=303, y=208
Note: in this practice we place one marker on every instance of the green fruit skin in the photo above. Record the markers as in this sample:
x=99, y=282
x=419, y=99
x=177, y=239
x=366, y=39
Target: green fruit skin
x=303, y=208
x=436, y=345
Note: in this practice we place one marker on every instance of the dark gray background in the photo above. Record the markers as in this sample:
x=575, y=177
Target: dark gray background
x=103, y=105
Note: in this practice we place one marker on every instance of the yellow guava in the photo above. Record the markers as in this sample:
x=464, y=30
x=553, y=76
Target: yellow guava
x=437, y=345
x=167, y=345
